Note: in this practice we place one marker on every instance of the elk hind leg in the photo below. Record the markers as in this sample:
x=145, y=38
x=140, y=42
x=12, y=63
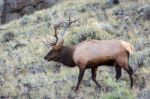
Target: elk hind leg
x=122, y=61
x=130, y=72
x=118, y=72
x=94, y=70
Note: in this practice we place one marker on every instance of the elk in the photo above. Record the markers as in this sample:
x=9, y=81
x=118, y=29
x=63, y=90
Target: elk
x=91, y=54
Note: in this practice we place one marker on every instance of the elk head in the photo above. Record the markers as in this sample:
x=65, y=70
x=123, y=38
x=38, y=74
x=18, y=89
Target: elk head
x=54, y=54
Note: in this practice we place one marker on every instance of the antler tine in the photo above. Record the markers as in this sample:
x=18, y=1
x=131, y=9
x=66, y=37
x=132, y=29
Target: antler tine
x=55, y=31
x=66, y=25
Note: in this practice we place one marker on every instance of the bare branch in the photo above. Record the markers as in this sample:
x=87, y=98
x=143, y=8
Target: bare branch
x=72, y=22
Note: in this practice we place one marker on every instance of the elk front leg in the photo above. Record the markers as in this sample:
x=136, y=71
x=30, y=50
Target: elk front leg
x=81, y=73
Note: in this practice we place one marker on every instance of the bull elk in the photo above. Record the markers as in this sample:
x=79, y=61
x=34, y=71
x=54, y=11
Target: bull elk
x=91, y=54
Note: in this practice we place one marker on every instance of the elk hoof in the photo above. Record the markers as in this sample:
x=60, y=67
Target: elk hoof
x=74, y=88
x=98, y=89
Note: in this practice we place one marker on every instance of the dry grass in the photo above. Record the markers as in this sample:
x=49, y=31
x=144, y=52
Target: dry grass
x=33, y=29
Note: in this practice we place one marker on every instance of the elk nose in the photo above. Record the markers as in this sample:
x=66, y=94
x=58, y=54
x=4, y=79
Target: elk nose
x=45, y=57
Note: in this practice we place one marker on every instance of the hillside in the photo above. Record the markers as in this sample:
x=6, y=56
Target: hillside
x=24, y=74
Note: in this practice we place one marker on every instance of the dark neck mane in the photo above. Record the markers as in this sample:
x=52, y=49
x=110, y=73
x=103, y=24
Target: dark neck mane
x=66, y=55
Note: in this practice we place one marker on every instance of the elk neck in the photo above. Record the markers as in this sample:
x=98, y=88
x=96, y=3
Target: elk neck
x=66, y=55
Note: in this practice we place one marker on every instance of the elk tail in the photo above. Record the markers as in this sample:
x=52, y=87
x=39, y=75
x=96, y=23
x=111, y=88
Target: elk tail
x=129, y=47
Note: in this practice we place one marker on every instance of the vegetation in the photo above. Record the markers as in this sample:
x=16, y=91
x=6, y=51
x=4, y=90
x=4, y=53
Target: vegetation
x=25, y=74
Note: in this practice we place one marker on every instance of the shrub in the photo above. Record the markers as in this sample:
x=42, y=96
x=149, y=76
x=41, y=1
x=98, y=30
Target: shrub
x=145, y=12
x=8, y=36
x=144, y=94
x=24, y=20
x=141, y=58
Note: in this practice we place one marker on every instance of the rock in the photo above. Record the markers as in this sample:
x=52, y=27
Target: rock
x=118, y=12
x=19, y=45
x=24, y=20
x=70, y=11
x=108, y=88
x=46, y=97
x=41, y=6
x=105, y=26
x=57, y=68
x=16, y=72
x=144, y=12
x=145, y=94
x=28, y=86
x=14, y=9
x=12, y=16
x=116, y=1
x=1, y=4
x=4, y=97
x=50, y=2
x=2, y=80
x=72, y=95
x=27, y=10
x=36, y=69
x=86, y=83
x=35, y=2
x=110, y=3
x=13, y=5
x=141, y=45
x=8, y=36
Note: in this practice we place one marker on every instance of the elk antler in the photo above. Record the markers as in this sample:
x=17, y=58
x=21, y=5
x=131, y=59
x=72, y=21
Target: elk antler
x=55, y=31
x=66, y=25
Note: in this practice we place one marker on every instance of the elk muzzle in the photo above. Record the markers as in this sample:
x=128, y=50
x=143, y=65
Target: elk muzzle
x=46, y=58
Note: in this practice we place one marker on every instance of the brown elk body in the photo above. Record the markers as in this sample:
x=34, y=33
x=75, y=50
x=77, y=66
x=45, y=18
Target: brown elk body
x=94, y=53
